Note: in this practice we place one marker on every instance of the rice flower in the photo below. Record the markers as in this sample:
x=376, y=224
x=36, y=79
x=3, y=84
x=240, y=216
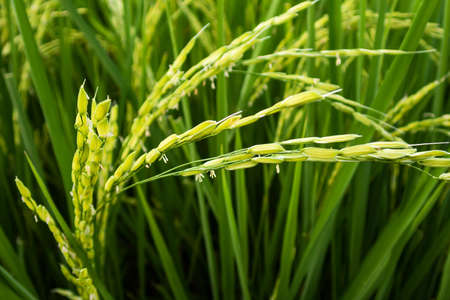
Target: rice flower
x=320, y=154
x=357, y=150
x=201, y=130
x=292, y=157
x=125, y=166
x=390, y=144
x=427, y=154
x=168, y=142
x=82, y=101
x=226, y=124
x=266, y=148
x=214, y=163
x=436, y=162
x=337, y=138
x=267, y=160
x=23, y=190
x=138, y=163
x=241, y=165
x=101, y=110
x=191, y=172
x=245, y=121
x=300, y=99
x=299, y=141
x=392, y=154
x=238, y=157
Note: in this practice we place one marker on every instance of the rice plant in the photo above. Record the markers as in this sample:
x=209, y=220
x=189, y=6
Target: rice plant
x=177, y=149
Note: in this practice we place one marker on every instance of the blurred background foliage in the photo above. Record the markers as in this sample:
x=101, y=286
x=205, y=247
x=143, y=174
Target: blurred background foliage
x=314, y=231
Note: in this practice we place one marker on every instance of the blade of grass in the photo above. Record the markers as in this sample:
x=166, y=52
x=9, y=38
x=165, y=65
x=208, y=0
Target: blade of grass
x=444, y=287
x=361, y=44
x=335, y=35
x=89, y=34
x=379, y=256
x=288, y=246
x=7, y=292
x=443, y=62
x=249, y=79
x=235, y=237
x=16, y=285
x=242, y=208
x=24, y=123
x=12, y=262
x=395, y=75
x=103, y=56
x=428, y=260
x=6, y=120
x=375, y=64
x=388, y=275
x=63, y=146
x=358, y=217
x=167, y=261
x=141, y=250
x=212, y=265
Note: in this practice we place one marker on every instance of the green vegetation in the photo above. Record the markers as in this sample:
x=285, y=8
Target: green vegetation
x=261, y=149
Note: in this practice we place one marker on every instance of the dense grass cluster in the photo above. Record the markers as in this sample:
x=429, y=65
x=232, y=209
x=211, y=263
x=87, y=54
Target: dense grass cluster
x=259, y=149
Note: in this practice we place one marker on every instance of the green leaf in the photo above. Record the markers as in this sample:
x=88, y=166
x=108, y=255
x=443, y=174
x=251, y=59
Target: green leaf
x=24, y=123
x=16, y=285
x=63, y=146
x=166, y=258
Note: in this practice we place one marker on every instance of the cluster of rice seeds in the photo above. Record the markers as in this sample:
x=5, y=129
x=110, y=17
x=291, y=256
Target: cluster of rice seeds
x=91, y=135
x=408, y=103
x=280, y=62
x=350, y=22
x=300, y=53
x=103, y=201
x=79, y=275
x=108, y=151
x=443, y=121
x=275, y=153
x=205, y=129
x=186, y=82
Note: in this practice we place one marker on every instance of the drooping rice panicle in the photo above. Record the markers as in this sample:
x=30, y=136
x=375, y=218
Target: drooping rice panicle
x=42, y=213
x=223, y=58
x=422, y=125
x=79, y=274
x=330, y=53
x=397, y=152
x=406, y=104
x=361, y=153
x=403, y=156
x=91, y=135
x=206, y=129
